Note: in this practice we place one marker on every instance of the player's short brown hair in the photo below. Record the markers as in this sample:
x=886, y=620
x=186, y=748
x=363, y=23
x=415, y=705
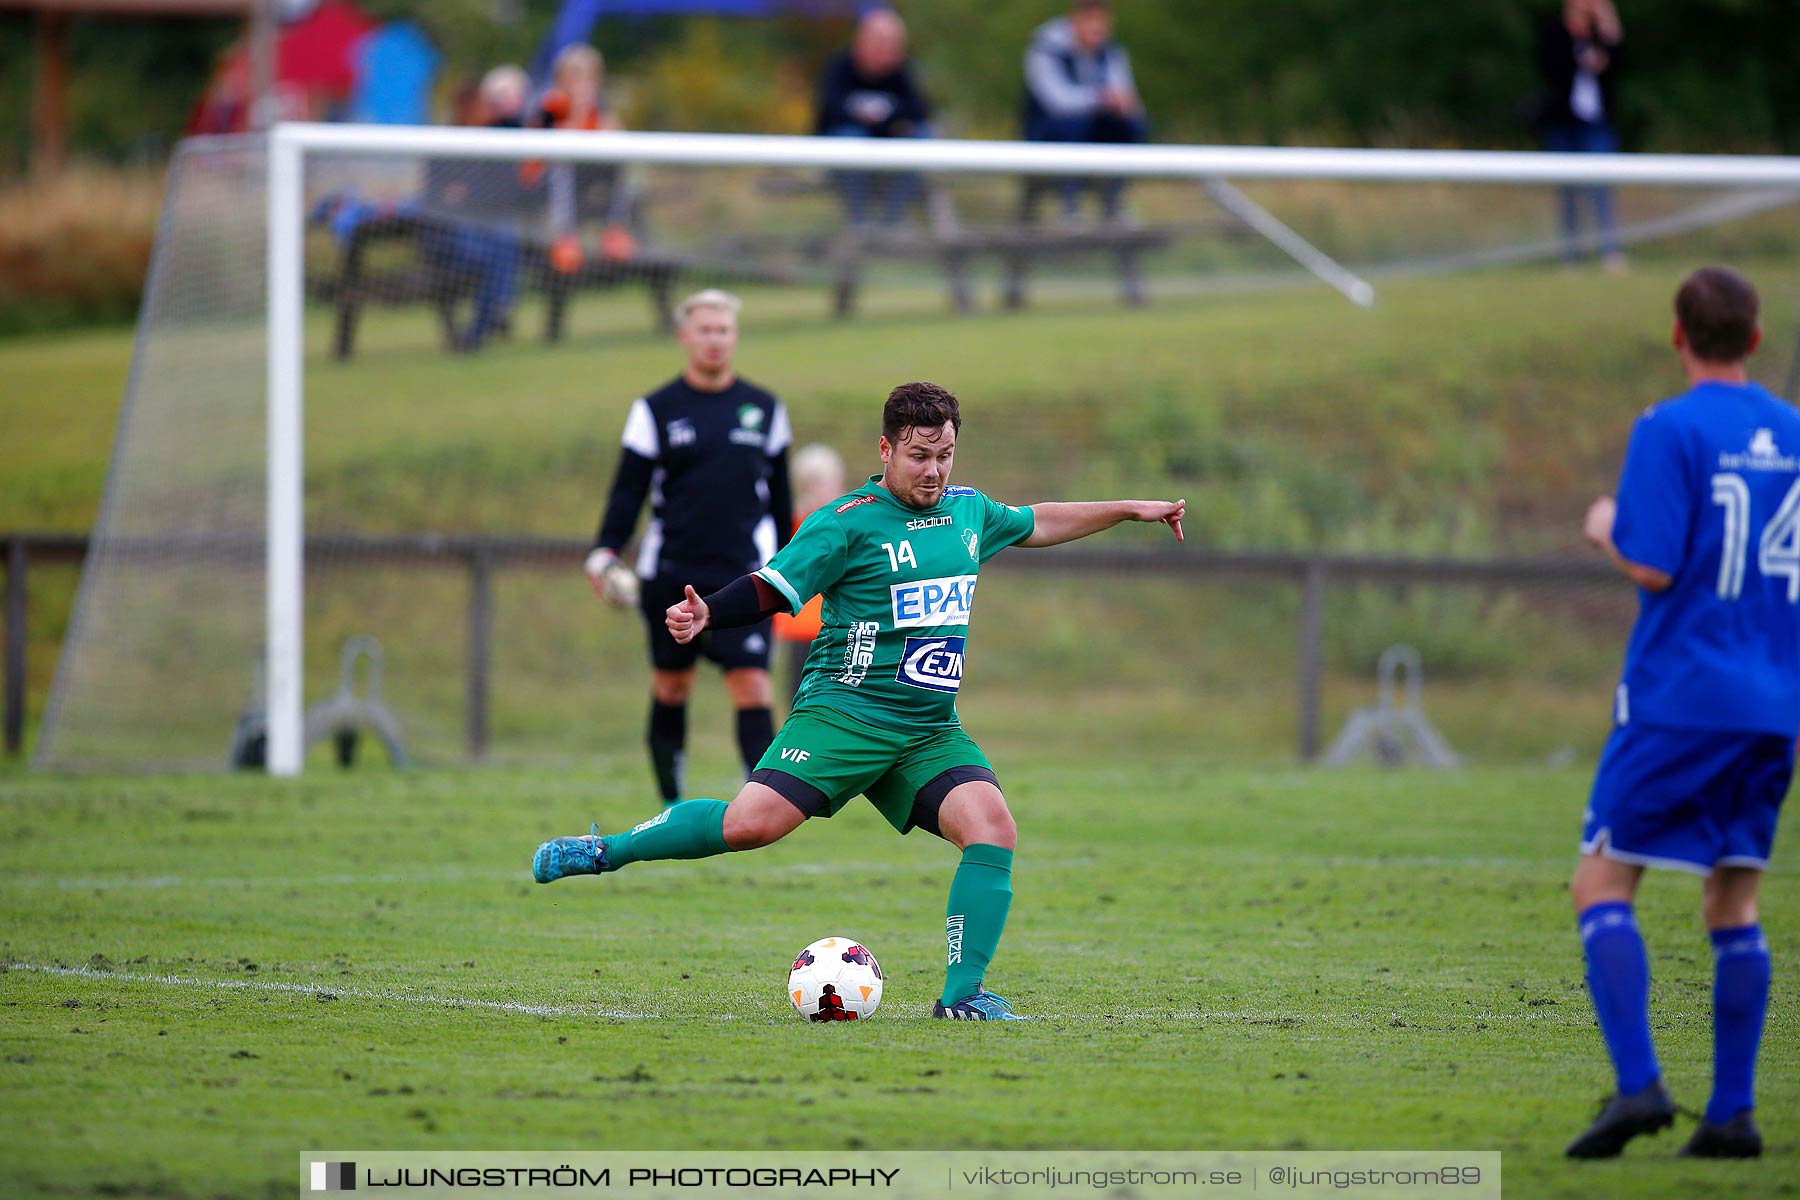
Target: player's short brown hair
x=918, y=406
x=1717, y=310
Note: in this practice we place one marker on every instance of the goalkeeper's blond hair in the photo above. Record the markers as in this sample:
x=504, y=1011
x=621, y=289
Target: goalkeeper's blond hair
x=710, y=298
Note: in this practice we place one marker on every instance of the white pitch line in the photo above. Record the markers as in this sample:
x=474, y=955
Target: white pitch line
x=326, y=989
x=1379, y=862
x=152, y=882
x=859, y=868
x=438, y=875
x=1299, y=1019
x=1302, y=1019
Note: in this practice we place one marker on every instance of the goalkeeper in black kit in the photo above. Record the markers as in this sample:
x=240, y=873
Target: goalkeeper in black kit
x=710, y=452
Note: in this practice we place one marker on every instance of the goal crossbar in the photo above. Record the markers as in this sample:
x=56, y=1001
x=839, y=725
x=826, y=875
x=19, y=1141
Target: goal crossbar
x=289, y=144
x=1060, y=158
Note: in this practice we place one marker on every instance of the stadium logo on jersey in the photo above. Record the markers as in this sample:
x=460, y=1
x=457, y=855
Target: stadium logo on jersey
x=847, y=505
x=750, y=416
x=947, y=600
x=972, y=540
x=927, y=523
x=932, y=663
x=681, y=432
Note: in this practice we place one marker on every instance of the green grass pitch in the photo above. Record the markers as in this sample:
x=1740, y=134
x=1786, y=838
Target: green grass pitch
x=207, y=977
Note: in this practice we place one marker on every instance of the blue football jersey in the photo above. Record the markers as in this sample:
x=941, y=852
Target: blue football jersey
x=1710, y=494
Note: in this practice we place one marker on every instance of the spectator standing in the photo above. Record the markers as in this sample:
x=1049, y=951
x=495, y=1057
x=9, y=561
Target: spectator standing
x=1079, y=88
x=709, y=450
x=1578, y=56
x=868, y=91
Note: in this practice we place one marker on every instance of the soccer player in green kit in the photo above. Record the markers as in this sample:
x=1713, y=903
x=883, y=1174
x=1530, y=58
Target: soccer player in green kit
x=896, y=561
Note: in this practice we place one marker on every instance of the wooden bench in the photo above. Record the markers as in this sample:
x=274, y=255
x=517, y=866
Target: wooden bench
x=943, y=238
x=1018, y=247
x=354, y=285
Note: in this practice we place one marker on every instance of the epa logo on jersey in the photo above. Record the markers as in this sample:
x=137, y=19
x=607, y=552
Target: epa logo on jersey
x=947, y=600
x=932, y=663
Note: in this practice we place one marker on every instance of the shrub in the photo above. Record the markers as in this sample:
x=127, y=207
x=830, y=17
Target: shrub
x=74, y=247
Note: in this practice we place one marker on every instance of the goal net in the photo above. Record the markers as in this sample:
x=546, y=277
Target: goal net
x=1387, y=384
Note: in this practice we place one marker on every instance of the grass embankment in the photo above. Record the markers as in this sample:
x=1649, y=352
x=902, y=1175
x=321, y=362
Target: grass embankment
x=1469, y=416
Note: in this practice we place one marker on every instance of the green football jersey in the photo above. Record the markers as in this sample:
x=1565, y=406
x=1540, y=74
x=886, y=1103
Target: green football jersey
x=899, y=588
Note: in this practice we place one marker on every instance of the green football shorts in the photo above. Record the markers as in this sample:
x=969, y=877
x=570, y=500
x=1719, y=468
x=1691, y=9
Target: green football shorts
x=821, y=760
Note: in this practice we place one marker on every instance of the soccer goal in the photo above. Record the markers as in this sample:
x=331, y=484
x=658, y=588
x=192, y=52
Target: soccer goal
x=380, y=375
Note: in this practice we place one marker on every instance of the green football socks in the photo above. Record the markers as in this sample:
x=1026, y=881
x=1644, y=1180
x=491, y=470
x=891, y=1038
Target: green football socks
x=691, y=829
x=980, y=894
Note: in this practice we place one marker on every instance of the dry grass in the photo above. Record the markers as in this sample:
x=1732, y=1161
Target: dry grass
x=74, y=247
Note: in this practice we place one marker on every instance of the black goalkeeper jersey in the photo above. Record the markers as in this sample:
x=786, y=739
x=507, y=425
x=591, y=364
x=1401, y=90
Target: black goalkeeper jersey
x=714, y=465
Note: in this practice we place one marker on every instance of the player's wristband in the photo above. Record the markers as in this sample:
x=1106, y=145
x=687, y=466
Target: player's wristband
x=746, y=600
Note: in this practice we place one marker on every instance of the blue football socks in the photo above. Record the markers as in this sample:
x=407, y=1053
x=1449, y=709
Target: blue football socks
x=1618, y=977
x=1740, y=1002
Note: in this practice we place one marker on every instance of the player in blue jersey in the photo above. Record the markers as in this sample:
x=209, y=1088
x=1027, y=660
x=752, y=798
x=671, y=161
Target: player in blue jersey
x=1707, y=524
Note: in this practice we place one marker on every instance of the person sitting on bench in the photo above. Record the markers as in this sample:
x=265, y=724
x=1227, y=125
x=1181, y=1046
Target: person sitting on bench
x=868, y=91
x=477, y=208
x=1079, y=88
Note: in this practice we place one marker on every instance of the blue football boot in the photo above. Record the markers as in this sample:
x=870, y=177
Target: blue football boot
x=584, y=855
x=982, y=1006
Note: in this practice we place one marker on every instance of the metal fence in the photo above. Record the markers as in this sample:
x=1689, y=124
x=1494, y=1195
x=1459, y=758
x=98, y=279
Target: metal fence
x=485, y=558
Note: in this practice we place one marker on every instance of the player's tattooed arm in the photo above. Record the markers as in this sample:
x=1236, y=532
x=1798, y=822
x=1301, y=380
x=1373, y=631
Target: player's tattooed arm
x=1058, y=523
x=1597, y=527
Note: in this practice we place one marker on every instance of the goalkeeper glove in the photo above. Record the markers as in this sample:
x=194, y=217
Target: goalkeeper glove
x=612, y=580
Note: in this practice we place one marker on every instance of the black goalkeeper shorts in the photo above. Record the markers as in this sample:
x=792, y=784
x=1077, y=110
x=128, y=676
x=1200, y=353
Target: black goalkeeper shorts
x=731, y=649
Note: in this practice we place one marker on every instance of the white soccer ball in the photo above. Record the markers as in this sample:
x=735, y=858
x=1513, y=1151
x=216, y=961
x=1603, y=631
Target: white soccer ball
x=835, y=979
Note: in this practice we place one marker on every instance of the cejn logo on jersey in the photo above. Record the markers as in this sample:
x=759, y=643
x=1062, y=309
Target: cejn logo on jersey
x=922, y=603
x=932, y=663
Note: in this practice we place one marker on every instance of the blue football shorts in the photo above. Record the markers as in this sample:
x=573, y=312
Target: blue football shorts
x=1691, y=799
